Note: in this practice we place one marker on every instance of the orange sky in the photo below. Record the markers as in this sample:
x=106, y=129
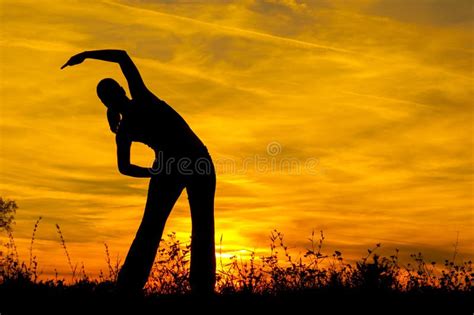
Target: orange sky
x=371, y=99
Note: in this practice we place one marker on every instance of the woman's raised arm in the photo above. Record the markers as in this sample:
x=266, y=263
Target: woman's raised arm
x=135, y=82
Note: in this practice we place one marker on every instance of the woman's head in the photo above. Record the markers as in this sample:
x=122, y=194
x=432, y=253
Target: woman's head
x=112, y=95
x=114, y=98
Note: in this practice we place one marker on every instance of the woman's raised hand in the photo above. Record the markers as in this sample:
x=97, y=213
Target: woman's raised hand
x=75, y=60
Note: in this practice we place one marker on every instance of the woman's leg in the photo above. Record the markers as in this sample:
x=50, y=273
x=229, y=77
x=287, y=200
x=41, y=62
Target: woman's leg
x=201, y=190
x=163, y=192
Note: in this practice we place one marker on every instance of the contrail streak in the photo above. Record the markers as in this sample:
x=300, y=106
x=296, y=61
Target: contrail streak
x=390, y=99
x=243, y=32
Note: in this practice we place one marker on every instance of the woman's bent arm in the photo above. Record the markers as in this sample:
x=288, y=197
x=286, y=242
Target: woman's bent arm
x=123, y=161
x=135, y=82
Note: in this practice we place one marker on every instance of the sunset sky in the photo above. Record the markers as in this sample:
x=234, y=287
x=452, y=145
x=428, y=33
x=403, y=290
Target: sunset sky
x=370, y=101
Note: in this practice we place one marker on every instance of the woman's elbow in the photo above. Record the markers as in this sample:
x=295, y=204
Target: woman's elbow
x=124, y=169
x=124, y=55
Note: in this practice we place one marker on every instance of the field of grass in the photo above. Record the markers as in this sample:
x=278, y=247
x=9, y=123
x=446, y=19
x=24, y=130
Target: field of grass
x=273, y=282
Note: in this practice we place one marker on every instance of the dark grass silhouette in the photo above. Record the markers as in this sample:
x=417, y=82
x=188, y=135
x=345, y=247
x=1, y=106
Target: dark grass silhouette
x=273, y=282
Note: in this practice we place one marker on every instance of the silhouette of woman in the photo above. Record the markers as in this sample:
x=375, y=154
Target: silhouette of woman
x=182, y=161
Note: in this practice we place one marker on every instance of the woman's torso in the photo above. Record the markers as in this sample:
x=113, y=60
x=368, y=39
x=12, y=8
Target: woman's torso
x=153, y=122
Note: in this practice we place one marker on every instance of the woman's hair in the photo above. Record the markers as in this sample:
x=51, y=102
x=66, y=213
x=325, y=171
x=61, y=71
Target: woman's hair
x=114, y=120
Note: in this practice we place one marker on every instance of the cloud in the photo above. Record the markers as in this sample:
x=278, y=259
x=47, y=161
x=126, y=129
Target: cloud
x=437, y=12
